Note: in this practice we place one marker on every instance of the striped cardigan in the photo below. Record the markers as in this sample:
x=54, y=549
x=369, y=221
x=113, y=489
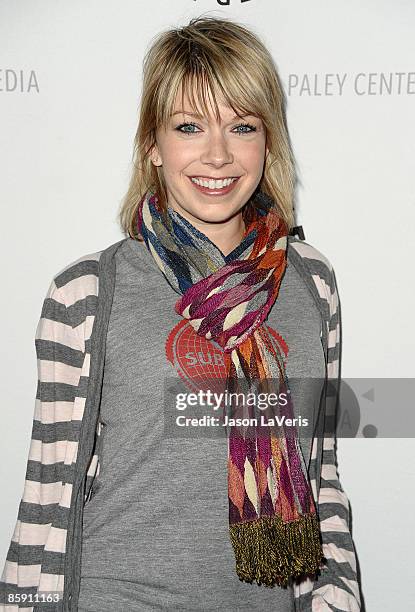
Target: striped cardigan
x=43, y=558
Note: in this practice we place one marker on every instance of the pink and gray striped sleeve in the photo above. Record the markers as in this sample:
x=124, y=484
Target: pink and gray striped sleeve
x=35, y=558
x=336, y=587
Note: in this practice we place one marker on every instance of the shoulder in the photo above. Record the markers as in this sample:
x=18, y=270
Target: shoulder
x=313, y=260
x=317, y=266
x=79, y=278
x=311, y=255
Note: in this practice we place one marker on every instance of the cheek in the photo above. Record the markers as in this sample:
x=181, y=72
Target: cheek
x=252, y=156
x=177, y=158
x=175, y=153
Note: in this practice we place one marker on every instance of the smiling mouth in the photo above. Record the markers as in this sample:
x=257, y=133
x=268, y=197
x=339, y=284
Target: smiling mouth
x=210, y=183
x=214, y=187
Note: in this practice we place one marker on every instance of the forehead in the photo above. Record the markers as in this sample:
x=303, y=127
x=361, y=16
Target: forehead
x=202, y=104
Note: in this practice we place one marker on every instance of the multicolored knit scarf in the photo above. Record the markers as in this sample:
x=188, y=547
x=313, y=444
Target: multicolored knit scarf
x=272, y=517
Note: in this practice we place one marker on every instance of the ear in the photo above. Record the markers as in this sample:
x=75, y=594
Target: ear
x=266, y=152
x=155, y=156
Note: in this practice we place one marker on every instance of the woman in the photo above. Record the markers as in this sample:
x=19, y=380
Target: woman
x=119, y=511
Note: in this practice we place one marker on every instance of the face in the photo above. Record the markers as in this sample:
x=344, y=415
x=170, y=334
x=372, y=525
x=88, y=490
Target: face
x=210, y=168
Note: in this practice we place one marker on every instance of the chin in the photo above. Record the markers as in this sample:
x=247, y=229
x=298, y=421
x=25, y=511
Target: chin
x=214, y=214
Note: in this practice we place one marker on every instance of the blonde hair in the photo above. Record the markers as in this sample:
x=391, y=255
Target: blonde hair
x=223, y=57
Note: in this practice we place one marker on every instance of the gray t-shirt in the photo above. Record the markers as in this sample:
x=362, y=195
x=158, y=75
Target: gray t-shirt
x=156, y=530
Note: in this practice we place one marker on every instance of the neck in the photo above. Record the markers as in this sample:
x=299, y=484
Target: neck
x=225, y=236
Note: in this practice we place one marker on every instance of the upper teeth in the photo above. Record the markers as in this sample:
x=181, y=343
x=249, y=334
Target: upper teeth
x=212, y=184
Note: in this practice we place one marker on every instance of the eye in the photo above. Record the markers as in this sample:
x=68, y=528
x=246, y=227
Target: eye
x=182, y=126
x=252, y=128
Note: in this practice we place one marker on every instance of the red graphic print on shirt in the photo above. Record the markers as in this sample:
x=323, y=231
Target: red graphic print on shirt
x=200, y=362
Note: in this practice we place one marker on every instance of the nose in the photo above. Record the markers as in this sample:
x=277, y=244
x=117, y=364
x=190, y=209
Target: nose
x=217, y=151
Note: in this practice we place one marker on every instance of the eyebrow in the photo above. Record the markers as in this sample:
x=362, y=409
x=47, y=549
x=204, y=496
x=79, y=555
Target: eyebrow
x=183, y=112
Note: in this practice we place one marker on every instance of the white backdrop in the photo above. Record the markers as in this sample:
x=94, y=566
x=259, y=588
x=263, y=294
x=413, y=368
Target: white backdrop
x=69, y=93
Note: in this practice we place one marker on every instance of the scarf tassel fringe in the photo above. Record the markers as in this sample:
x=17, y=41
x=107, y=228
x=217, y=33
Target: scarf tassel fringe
x=269, y=551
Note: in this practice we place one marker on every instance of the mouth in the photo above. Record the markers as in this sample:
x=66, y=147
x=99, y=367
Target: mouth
x=214, y=187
